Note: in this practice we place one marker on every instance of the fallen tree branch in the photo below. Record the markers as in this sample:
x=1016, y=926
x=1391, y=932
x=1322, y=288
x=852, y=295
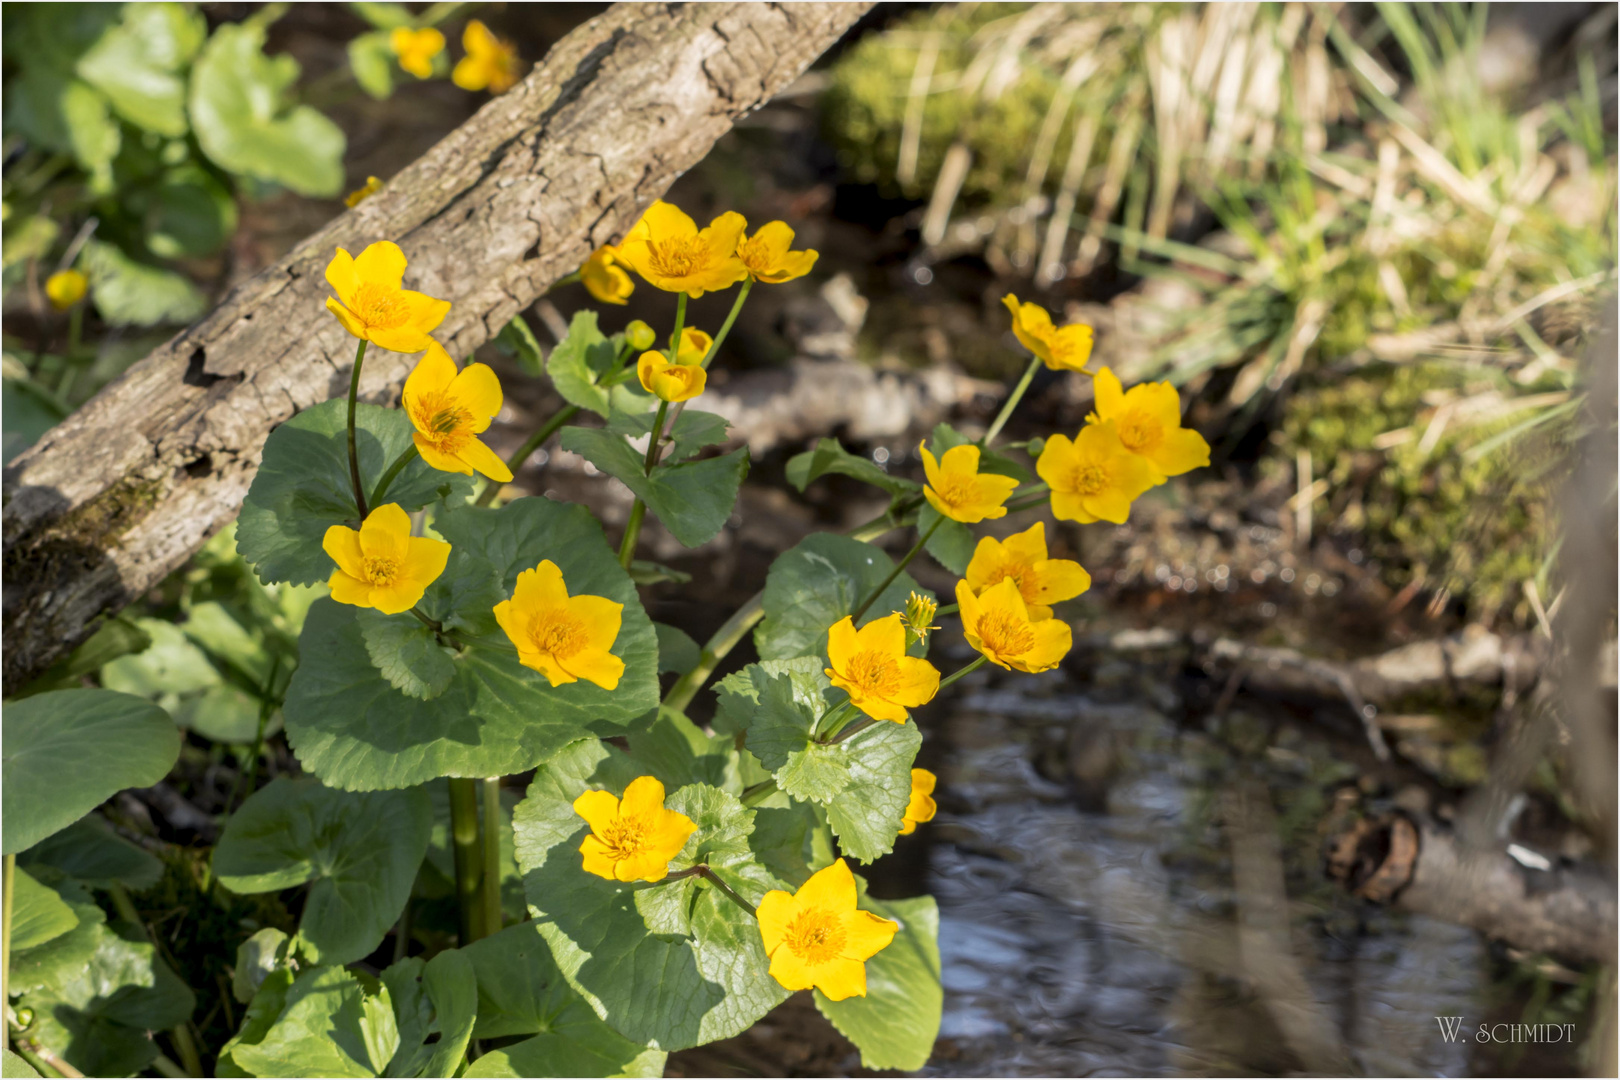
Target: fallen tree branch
x=123, y=491
x=1418, y=867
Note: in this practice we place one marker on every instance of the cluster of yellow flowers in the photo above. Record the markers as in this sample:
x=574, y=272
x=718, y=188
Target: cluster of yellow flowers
x=489, y=64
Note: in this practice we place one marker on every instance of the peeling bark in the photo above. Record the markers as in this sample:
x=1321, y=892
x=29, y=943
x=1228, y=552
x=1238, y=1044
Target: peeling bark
x=126, y=489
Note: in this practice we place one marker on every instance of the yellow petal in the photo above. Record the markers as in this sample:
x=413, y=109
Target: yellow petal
x=830, y=887
x=840, y=979
x=648, y=367
x=601, y=616
x=1110, y=504
x=350, y=322
x=349, y=590
x=792, y=972
x=343, y=544
x=511, y=620
x=1067, y=506
x=383, y=263
x=642, y=866
x=967, y=603
x=342, y=276
x=438, y=459
x=795, y=264
x=426, y=312
x=960, y=460
x=401, y=339
x=600, y=809
x=919, y=682
x=1028, y=546
x=644, y=797
x=435, y=372
x=887, y=635
x=773, y=240
x=1070, y=348
x=875, y=707
x=425, y=561
x=695, y=345
x=1056, y=461
x=399, y=597
x=595, y=665
x=723, y=233
x=842, y=642
x=988, y=559
x=930, y=465
x=673, y=830
x=1053, y=639
x=774, y=914
x=868, y=935
x=922, y=783
x=1182, y=451
x=540, y=589
x=470, y=74
x=480, y=457
x=545, y=664
x=478, y=390
x=664, y=221
x=1058, y=580
x=386, y=533
x=596, y=859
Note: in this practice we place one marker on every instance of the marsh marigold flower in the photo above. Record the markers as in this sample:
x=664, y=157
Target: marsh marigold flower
x=1021, y=558
x=416, y=49
x=1093, y=476
x=372, y=305
x=565, y=638
x=997, y=623
x=382, y=565
x=1148, y=421
x=66, y=288
x=921, y=808
x=490, y=64
x=959, y=491
x=363, y=192
x=685, y=378
x=817, y=937
x=604, y=278
x=632, y=839
x=668, y=250
x=449, y=410
x=871, y=665
x=767, y=256
x=1061, y=349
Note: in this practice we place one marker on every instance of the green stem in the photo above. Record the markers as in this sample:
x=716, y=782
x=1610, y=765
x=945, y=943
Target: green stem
x=354, y=453
x=186, y=1047
x=725, y=327
x=680, y=324
x=724, y=640
x=898, y=568
x=468, y=856
x=492, y=855
x=1033, y=496
x=832, y=719
x=533, y=443
x=168, y=1068
x=39, y=1064
x=852, y=730
x=723, y=887
x=632, y=531
x=404, y=459
x=432, y=624
x=6, y=889
x=657, y=434
x=758, y=793
x=1012, y=403
x=953, y=676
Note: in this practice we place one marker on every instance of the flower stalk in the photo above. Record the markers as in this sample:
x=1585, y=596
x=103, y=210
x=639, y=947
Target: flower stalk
x=406, y=456
x=725, y=327
x=492, y=855
x=354, y=453
x=469, y=857
x=722, y=642
x=10, y=877
x=1012, y=403
x=900, y=566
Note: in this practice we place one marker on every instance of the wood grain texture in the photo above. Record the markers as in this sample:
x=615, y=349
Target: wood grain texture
x=123, y=491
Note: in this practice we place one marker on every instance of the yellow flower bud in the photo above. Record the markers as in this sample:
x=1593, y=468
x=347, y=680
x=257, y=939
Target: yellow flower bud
x=66, y=288
x=363, y=192
x=919, y=614
x=640, y=335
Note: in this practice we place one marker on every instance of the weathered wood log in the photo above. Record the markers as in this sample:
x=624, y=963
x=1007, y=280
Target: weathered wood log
x=1568, y=911
x=123, y=491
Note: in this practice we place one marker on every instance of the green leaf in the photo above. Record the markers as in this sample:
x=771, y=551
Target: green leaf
x=408, y=654
x=189, y=214
x=661, y=990
x=354, y=730
x=690, y=432
x=647, y=572
x=12, y=1065
x=27, y=415
x=38, y=914
x=452, y=986
x=946, y=437
x=693, y=498
x=68, y=751
x=578, y=362
x=131, y=293
x=98, y=1019
x=224, y=713
x=866, y=816
x=720, y=843
x=952, y=543
x=237, y=96
x=521, y=991
x=327, y=1027
x=678, y=752
x=303, y=487
x=896, y=1023
x=361, y=852
x=262, y=1011
x=91, y=852
x=518, y=341
x=257, y=959
x=413, y=1016
x=60, y=959
x=137, y=64
x=790, y=838
x=789, y=706
x=93, y=134
x=170, y=665
x=382, y=15
x=677, y=652
x=119, y=636
x=830, y=457
x=371, y=58
x=816, y=583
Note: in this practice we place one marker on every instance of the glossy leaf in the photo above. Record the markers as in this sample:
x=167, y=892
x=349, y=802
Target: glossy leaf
x=38, y=913
x=327, y=1026
x=128, y=292
x=866, y=816
x=896, y=1023
x=89, y=851
x=816, y=583
x=692, y=498
x=407, y=654
x=829, y=456
x=689, y=433
x=577, y=364
x=952, y=542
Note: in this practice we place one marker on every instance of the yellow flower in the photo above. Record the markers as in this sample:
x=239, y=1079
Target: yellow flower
x=382, y=565
x=363, y=192
x=371, y=304
x=997, y=623
x=918, y=616
x=632, y=839
x=959, y=491
x=871, y=665
x=695, y=346
x=450, y=409
x=1041, y=581
x=604, y=278
x=667, y=249
x=1148, y=420
x=565, y=638
x=767, y=256
x=490, y=63
x=818, y=937
x=1065, y=349
x=66, y=288
x=921, y=808
x=671, y=382
x=416, y=49
x=1093, y=477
